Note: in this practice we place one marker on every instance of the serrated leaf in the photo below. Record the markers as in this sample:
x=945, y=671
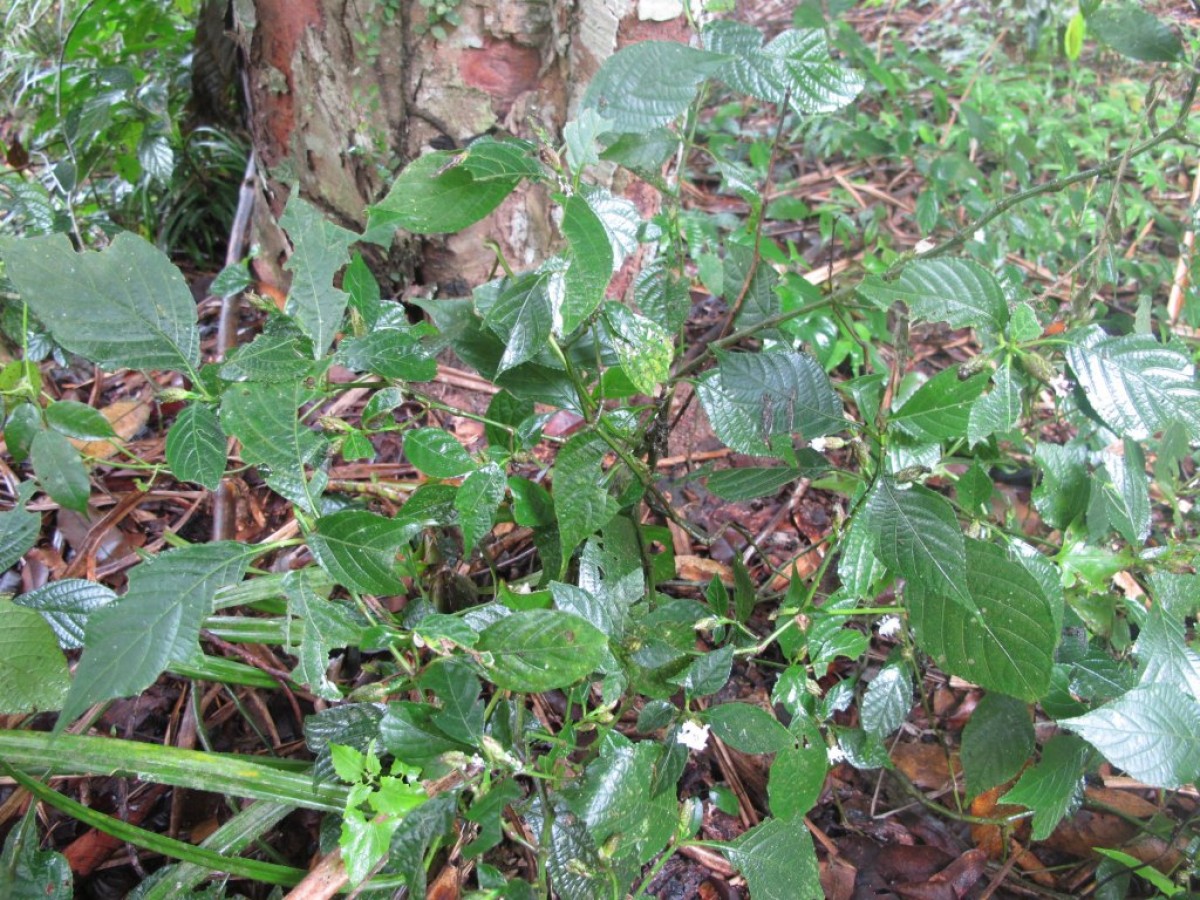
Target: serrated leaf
x=19, y=530
x=996, y=742
x=78, y=420
x=1126, y=493
x=1008, y=645
x=748, y=728
x=489, y=159
x=591, y=262
x=1163, y=650
x=316, y=627
x=540, y=649
x=195, y=447
x=661, y=296
x=940, y=408
x=998, y=411
x=1054, y=787
x=778, y=861
x=60, y=470
x=66, y=606
x=917, y=536
x=974, y=489
x=1135, y=384
x=644, y=349
x=1133, y=32
x=436, y=194
x=33, y=671
x=266, y=419
x=959, y=292
x=630, y=91
x=275, y=356
x=125, y=306
x=750, y=482
x=859, y=566
x=759, y=300
x=157, y=621
x=156, y=156
x=320, y=250
x=477, y=502
x=580, y=135
x=391, y=353
x=1061, y=494
x=620, y=217
x=888, y=699
x=798, y=774
x=751, y=397
x=437, y=453
x=1152, y=732
x=457, y=690
x=582, y=502
x=522, y=317
x=358, y=548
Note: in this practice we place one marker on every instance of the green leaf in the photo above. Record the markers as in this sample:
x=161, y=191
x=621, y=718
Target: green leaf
x=974, y=490
x=436, y=194
x=996, y=742
x=1054, y=787
x=918, y=538
x=66, y=606
x=522, y=317
x=457, y=690
x=630, y=91
x=23, y=424
x=489, y=159
x=644, y=349
x=748, y=728
x=1008, y=645
x=392, y=353
x=196, y=446
x=437, y=453
x=278, y=355
x=323, y=626
x=477, y=501
x=661, y=296
x=1163, y=650
x=888, y=699
x=358, y=548
x=760, y=300
x=33, y=671
x=126, y=306
x=1135, y=384
x=751, y=397
x=591, y=262
x=540, y=649
x=32, y=873
x=621, y=220
x=1062, y=492
x=364, y=842
x=940, y=408
x=78, y=420
x=795, y=66
x=1133, y=32
x=1126, y=493
x=320, y=250
x=798, y=774
x=708, y=672
x=582, y=502
x=580, y=135
x=778, y=861
x=60, y=470
x=266, y=419
x=19, y=530
x=998, y=411
x=1152, y=732
x=959, y=292
x=157, y=621
x=1073, y=37
x=750, y=482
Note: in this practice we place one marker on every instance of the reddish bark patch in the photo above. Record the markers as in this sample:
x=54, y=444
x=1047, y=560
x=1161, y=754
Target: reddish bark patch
x=281, y=26
x=501, y=69
x=633, y=30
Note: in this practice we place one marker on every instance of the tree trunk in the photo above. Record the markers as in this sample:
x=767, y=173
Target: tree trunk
x=343, y=93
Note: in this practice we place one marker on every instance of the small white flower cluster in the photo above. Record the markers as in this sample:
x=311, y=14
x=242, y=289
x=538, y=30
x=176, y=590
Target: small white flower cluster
x=1061, y=385
x=835, y=754
x=693, y=736
x=889, y=626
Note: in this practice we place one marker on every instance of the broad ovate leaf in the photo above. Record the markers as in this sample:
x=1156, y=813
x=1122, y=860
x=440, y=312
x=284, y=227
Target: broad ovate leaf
x=644, y=348
x=540, y=649
x=778, y=861
x=33, y=671
x=1136, y=384
x=196, y=446
x=125, y=306
x=1132, y=31
x=959, y=292
x=591, y=262
x=358, y=548
x=522, y=316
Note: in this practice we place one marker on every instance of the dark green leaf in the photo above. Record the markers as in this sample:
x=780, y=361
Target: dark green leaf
x=662, y=297
x=1008, y=645
x=859, y=566
x=33, y=671
x=437, y=453
x=275, y=356
x=521, y=317
x=888, y=699
x=538, y=650
x=957, y=291
x=917, y=537
x=489, y=159
x=507, y=409
x=708, y=673
x=778, y=861
x=1135, y=384
x=748, y=728
x=591, y=262
x=196, y=446
x=1152, y=732
x=324, y=625
x=60, y=470
x=1132, y=31
x=436, y=194
x=457, y=690
x=19, y=530
x=123, y=307
x=358, y=548
x=582, y=502
x=998, y=411
x=940, y=408
x=631, y=92
x=157, y=621
x=78, y=420
x=23, y=424
x=1062, y=492
x=798, y=773
x=1054, y=787
x=975, y=490
x=66, y=606
x=996, y=742
x=747, y=483
x=1126, y=493
x=320, y=250
x=392, y=353
x=408, y=731
x=477, y=501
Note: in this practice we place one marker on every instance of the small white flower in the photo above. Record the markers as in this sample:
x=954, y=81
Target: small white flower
x=836, y=754
x=924, y=246
x=1061, y=385
x=693, y=736
x=978, y=235
x=818, y=444
x=889, y=626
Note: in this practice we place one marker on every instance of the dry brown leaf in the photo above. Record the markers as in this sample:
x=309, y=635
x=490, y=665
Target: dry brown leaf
x=925, y=765
x=127, y=418
x=700, y=568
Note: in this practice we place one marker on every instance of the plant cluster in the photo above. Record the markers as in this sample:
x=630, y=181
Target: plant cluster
x=451, y=712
